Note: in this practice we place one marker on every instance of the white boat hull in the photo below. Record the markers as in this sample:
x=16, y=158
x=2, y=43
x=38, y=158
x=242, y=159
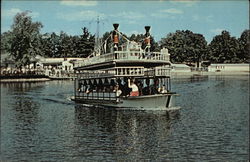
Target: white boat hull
x=149, y=102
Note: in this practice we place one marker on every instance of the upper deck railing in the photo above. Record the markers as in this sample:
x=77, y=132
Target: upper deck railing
x=135, y=55
x=138, y=71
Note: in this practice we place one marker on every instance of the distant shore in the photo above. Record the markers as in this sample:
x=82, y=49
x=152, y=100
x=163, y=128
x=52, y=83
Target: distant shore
x=202, y=73
x=24, y=80
x=173, y=75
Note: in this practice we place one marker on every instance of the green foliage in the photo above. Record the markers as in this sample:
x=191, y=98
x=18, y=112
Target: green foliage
x=224, y=48
x=140, y=38
x=244, y=44
x=6, y=38
x=185, y=46
x=64, y=45
x=24, y=40
x=86, y=43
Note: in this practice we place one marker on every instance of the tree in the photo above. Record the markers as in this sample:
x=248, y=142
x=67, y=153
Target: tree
x=223, y=48
x=244, y=44
x=6, y=38
x=25, y=43
x=74, y=41
x=185, y=46
x=86, y=43
x=64, y=47
x=140, y=38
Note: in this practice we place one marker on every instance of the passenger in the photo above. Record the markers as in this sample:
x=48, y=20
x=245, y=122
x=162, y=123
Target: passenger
x=146, y=90
x=163, y=89
x=100, y=86
x=140, y=85
x=131, y=84
x=89, y=87
x=154, y=88
x=112, y=85
x=80, y=86
x=106, y=85
x=88, y=90
x=117, y=90
x=125, y=89
x=95, y=86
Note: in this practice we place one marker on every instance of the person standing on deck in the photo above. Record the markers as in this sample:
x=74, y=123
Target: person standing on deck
x=131, y=84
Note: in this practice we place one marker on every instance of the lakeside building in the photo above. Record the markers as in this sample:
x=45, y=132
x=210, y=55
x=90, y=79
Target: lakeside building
x=50, y=67
x=180, y=68
x=228, y=68
x=58, y=67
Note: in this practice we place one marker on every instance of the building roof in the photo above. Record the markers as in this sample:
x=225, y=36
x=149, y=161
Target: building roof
x=180, y=65
x=229, y=65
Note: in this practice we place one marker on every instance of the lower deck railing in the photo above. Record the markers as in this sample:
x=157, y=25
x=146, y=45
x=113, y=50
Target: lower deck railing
x=105, y=96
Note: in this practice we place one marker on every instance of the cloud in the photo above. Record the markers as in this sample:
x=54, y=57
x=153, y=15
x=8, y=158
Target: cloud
x=80, y=15
x=207, y=19
x=78, y=3
x=10, y=13
x=188, y=3
x=129, y=15
x=167, y=13
x=217, y=30
x=172, y=11
x=162, y=15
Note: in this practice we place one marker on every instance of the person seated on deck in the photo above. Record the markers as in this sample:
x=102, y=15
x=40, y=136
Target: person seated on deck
x=106, y=85
x=88, y=89
x=117, y=90
x=100, y=86
x=131, y=84
x=140, y=85
x=125, y=89
x=80, y=87
x=163, y=89
x=146, y=90
x=155, y=86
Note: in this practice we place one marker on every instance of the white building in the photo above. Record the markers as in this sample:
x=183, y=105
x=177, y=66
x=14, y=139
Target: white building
x=180, y=68
x=58, y=67
x=228, y=68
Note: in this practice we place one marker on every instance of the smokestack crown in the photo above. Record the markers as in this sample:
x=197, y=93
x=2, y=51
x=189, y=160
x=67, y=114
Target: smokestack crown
x=147, y=28
x=116, y=26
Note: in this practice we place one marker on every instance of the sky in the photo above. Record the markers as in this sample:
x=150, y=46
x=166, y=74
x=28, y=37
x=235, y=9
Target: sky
x=204, y=17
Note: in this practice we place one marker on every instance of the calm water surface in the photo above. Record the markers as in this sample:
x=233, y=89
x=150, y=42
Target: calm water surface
x=40, y=123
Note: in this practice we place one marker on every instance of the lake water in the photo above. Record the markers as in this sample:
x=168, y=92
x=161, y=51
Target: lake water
x=40, y=123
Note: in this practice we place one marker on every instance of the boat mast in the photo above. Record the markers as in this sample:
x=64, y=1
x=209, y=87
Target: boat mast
x=97, y=39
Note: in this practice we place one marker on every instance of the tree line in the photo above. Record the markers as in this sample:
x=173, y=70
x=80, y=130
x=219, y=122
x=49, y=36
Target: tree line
x=24, y=41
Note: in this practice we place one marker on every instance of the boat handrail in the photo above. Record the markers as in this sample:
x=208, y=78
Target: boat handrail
x=130, y=55
x=129, y=71
x=93, y=95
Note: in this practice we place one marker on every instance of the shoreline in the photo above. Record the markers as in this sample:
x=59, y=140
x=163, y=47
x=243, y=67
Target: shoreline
x=173, y=75
x=202, y=73
x=24, y=80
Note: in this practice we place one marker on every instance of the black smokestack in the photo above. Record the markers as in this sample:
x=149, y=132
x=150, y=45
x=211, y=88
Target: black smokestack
x=116, y=26
x=147, y=28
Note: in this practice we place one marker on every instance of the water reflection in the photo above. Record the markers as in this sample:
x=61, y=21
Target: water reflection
x=22, y=86
x=133, y=135
x=22, y=133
